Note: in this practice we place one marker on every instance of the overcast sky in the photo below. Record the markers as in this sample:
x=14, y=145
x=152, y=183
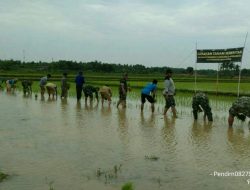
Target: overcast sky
x=147, y=32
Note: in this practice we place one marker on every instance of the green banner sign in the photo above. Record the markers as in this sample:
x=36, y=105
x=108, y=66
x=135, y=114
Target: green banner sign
x=219, y=55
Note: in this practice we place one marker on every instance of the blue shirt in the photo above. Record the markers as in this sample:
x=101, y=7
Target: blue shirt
x=149, y=88
x=79, y=80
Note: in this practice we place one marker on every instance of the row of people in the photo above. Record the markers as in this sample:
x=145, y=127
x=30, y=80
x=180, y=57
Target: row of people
x=200, y=102
x=88, y=90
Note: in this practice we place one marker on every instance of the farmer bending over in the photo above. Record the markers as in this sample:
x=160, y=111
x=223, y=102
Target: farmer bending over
x=89, y=91
x=201, y=103
x=148, y=92
x=51, y=89
x=106, y=93
x=240, y=109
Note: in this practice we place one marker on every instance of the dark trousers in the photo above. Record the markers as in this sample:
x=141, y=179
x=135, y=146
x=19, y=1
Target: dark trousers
x=78, y=92
x=206, y=108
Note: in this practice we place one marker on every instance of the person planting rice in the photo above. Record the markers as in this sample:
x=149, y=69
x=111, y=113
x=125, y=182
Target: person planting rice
x=148, y=92
x=240, y=108
x=200, y=103
x=27, y=86
x=51, y=89
x=89, y=91
x=106, y=93
x=169, y=93
x=43, y=82
x=123, y=89
x=11, y=85
x=64, y=86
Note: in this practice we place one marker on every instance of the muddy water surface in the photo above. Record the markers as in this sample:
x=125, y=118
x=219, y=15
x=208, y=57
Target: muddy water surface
x=62, y=144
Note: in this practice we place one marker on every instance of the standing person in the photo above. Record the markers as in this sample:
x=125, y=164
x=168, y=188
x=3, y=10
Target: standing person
x=169, y=93
x=148, y=92
x=123, y=88
x=240, y=109
x=64, y=86
x=79, y=85
x=43, y=82
x=200, y=100
x=106, y=93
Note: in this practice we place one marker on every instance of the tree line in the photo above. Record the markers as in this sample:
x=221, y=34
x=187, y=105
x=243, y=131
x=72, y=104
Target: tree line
x=97, y=66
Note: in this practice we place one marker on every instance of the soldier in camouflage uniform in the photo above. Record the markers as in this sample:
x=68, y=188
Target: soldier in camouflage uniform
x=200, y=100
x=88, y=92
x=27, y=87
x=240, y=109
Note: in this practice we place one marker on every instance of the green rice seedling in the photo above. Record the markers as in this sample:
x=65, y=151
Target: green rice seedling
x=152, y=157
x=108, y=174
x=3, y=176
x=49, y=183
x=128, y=186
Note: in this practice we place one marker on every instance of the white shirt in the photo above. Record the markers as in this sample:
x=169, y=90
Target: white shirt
x=169, y=87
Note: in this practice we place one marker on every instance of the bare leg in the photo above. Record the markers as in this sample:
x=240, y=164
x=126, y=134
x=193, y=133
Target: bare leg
x=153, y=107
x=142, y=106
x=174, y=111
x=118, y=103
x=109, y=99
x=91, y=100
x=124, y=103
x=230, y=120
x=165, y=111
x=42, y=91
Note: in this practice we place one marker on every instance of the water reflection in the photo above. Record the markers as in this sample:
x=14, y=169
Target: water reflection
x=78, y=106
x=169, y=133
x=169, y=122
x=27, y=96
x=187, y=150
x=149, y=122
x=11, y=93
x=78, y=114
x=201, y=132
x=239, y=141
x=122, y=118
x=64, y=104
x=123, y=126
x=106, y=111
x=65, y=111
x=42, y=99
x=91, y=107
x=51, y=99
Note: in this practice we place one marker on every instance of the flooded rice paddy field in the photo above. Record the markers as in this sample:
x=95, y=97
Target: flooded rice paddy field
x=66, y=145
